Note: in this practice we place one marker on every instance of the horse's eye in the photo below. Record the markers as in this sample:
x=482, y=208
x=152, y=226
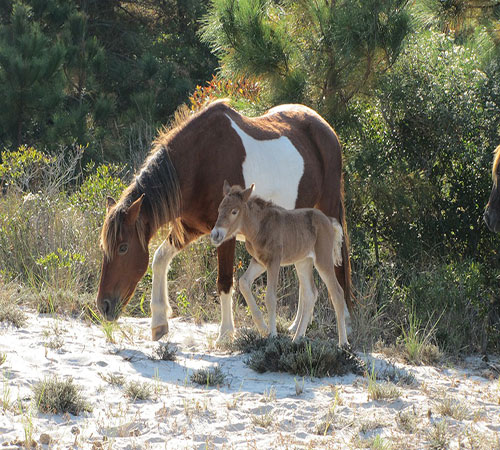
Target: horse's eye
x=122, y=249
x=234, y=212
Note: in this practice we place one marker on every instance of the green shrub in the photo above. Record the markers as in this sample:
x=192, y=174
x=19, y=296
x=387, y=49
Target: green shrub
x=54, y=396
x=314, y=358
x=213, y=376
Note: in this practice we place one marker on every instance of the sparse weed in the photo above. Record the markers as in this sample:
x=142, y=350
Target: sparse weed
x=453, y=408
x=165, y=352
x=269, y=395
x=11, y=313
x=263, y=420
x=212, y=376
x=381, y=391
x=299, y=387
x=6, y=401
x=114, y=379
x=3, y=358
x=438, y=436
x=326, y=425
x=407, y=421
x=55, y=396
x=136, y=390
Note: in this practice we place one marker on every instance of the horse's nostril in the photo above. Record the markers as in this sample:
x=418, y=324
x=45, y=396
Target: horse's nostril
x=106, y=307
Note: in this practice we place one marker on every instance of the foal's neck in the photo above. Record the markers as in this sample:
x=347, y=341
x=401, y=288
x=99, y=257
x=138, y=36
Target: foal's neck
x=252, y=218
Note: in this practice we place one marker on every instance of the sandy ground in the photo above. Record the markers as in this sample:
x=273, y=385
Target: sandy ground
x=251, y=410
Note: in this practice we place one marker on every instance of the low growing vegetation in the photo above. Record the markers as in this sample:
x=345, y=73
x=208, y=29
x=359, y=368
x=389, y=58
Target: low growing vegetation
x=212, y=376
x=55, y=396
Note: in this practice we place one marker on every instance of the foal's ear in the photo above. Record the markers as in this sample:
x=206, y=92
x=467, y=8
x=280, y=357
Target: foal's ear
x=133, y=211
x=226, y=188
x=110, y=202
x=248, y=192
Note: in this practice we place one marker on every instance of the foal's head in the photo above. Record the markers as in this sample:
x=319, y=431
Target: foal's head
x=492, y=212
x=126, y=257
x=230, y=218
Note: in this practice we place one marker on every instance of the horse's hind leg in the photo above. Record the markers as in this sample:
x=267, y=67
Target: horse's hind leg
x=327, y=273
x=307, y=296
x=225, y=258
x=160, y=306
x=254, y=270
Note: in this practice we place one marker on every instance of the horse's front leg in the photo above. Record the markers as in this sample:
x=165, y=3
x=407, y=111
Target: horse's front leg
x=273, y=271
x=160, y=306
x=225, y=258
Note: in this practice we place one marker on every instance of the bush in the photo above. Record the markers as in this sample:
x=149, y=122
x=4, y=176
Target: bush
x=54, y=396
x=315, y=358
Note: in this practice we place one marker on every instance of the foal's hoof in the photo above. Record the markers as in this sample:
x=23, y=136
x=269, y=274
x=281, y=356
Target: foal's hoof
x=224, y=339
x=158, y=332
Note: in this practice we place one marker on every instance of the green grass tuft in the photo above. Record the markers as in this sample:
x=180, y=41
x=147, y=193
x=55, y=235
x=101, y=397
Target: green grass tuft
x=212, y=376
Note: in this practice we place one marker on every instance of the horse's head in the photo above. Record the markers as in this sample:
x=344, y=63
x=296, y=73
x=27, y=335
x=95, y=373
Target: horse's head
x=228, y=222
x=125, y=244
x=492, y=212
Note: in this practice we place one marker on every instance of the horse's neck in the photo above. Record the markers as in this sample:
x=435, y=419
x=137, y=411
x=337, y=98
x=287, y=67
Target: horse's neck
x=252, y=220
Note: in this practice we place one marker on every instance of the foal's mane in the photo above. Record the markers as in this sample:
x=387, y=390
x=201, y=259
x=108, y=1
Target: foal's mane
x=157, y=180
x=496, y=162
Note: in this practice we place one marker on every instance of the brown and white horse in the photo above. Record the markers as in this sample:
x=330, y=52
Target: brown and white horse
x=276, y=237
x=291, y=154
x=492, y=212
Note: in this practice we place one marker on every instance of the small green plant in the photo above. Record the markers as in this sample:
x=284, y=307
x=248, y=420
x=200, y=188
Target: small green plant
x=3, y=358
x=381, y=391
x=6, y=401
x=183, y=302
x=114, y=379
x=299, y=387
x=416, y=341
x=165, y=352
x=407, y=421
x=136, y=390
x=213, y=376
x=438, y=436
x=263, y=420
x=54, y=396
x=453, y=408
x=269, y=395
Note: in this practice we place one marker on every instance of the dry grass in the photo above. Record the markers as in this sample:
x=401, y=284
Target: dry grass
x=137, y=390
x=453, y=408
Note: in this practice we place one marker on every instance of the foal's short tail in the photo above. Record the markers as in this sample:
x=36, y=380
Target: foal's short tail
x=337, y=241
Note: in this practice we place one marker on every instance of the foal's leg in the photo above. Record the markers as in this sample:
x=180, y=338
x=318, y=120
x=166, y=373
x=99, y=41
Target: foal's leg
x=254, y=270
x=225, y=258
x=307, y=295
x=273, y=270
x=160, y=306
x=306, y=287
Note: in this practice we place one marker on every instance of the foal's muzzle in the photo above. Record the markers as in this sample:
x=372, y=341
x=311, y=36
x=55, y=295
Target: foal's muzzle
x=217, y=236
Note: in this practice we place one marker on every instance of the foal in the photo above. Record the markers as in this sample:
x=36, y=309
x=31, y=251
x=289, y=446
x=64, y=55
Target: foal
x=276, y=237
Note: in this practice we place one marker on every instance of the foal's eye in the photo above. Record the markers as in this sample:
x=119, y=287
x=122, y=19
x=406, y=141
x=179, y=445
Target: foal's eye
x=234, y=212
x=122, y=249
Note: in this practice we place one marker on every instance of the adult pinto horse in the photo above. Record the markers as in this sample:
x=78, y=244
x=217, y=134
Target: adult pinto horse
x=291, y=154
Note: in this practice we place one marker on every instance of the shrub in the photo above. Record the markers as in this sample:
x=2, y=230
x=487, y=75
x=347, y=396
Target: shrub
x=54, y=396
x=213, y=376
x=135, y=390
x=315, y=358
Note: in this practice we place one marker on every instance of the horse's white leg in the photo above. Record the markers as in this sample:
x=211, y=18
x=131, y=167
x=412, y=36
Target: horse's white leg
x=160, y=306
x=308, y=294
x=337, y=298
x=272, y=283
x=225, y=258
x=303, y=270
x=254, y=270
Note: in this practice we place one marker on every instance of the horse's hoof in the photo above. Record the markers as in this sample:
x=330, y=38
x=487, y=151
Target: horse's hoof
x=224, y=338
x=158, y=332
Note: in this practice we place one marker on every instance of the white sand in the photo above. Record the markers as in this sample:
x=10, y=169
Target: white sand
x=256, y=411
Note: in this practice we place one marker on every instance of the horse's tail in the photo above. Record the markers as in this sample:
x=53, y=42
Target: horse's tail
x=346, y=262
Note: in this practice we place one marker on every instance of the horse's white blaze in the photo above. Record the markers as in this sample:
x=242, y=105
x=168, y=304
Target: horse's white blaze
x=275, y=166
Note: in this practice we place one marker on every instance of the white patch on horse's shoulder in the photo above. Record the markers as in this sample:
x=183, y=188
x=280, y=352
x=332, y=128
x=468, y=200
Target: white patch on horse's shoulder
x=274, y=165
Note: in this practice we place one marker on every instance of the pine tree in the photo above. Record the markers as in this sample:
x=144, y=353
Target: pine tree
x=318, y=52
x=31, y=82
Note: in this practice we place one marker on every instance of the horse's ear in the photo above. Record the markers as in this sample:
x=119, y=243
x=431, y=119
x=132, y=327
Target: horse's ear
x=110, y=202
x=248, y=192
x=133, y=211
x=226, y=188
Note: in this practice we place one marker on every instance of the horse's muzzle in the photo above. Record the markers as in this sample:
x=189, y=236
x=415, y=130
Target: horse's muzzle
x=108, y=311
